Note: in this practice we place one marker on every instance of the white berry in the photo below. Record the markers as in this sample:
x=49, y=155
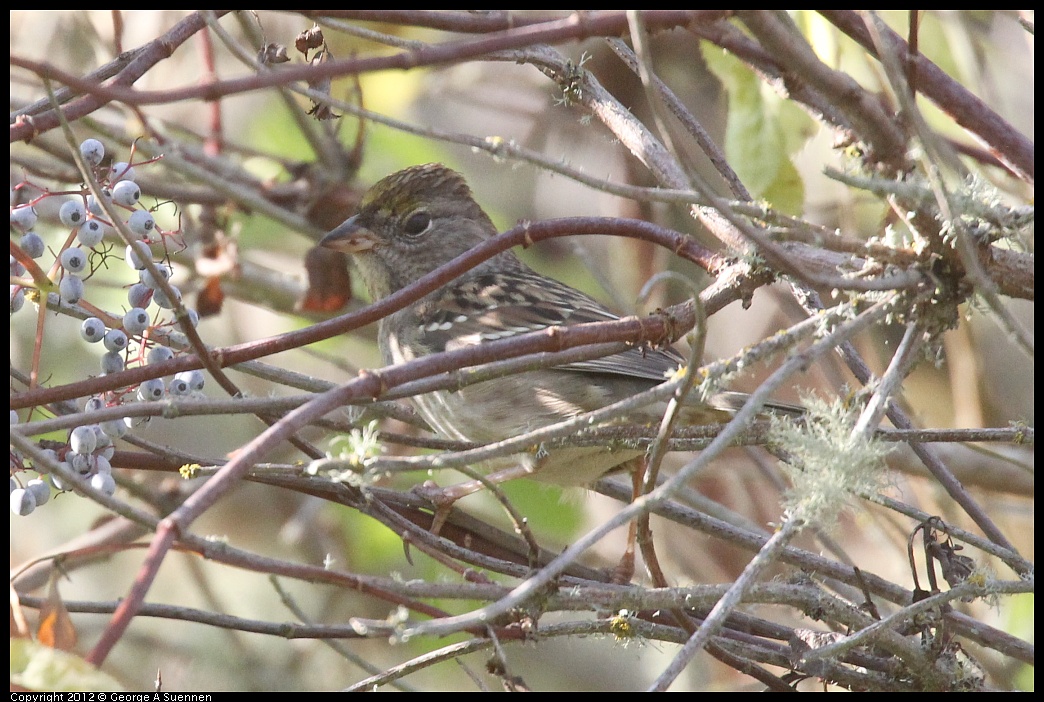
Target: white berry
x=146, y=277
x=102, y=466
x=93, y=151
x=194, y=378
x=136, y=321
x=151, y=390
x=103, y=482
x=17, y=298
x=72, y=213
x=23, y=217
x=82, y=440
x=74, y=260
x=92, y=204
x=91, y=233
x=126, y=193
x=32, y=244
x=139, y=295
x=115, y=340
x=115, y=428
x=121, y=171
x=178, y=387
x=158, y=354
x=141, y=223
x=70, y=289
x=167, y=303
x=22, y=502
x=92, y=330
x=41, y=490
x=136, y=254
x=111, y=362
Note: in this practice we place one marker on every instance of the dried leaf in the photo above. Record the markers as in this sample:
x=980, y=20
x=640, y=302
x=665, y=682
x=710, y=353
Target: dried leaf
x=329, y=285
x=56, y=629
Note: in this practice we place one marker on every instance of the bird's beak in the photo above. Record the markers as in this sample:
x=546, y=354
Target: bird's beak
x=349, y=238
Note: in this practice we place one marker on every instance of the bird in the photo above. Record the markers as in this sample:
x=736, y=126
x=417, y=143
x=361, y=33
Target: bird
x=413, y=221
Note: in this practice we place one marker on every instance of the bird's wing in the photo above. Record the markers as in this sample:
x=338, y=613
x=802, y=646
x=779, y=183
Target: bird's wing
x=490, y=306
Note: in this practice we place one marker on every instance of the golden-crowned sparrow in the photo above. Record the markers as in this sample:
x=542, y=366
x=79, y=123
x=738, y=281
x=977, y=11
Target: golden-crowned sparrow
x=413, y=221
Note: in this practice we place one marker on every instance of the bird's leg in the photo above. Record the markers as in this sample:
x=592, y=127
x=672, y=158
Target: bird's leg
x=444, y=498
x=624, y=570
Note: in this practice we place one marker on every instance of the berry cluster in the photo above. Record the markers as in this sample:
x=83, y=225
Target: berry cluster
x=128, y=337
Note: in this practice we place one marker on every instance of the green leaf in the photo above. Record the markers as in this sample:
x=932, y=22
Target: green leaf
x=763, y=130
x=38, y=667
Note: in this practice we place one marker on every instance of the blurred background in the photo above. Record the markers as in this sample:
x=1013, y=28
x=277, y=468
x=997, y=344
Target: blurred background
x=248, y=183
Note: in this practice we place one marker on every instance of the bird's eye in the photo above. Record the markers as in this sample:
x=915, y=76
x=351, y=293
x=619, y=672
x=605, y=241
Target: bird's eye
x=416, y=223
